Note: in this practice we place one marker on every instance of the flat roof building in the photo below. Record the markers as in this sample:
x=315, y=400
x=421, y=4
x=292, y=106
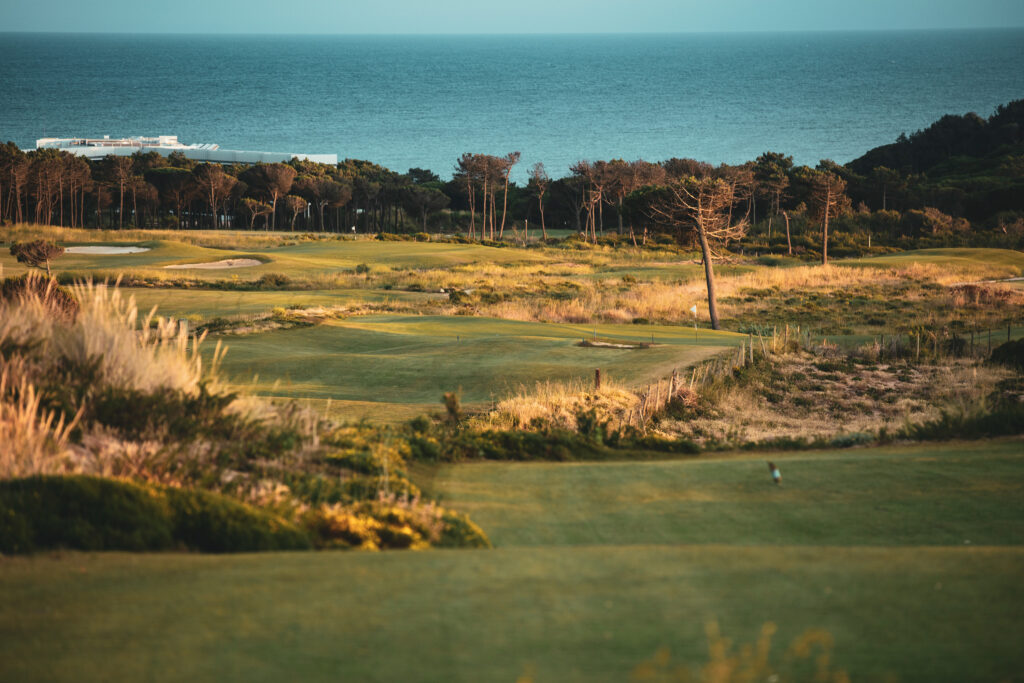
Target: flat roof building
x=97, y=148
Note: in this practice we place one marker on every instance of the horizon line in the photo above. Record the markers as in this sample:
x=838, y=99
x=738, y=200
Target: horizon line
x=933, y=29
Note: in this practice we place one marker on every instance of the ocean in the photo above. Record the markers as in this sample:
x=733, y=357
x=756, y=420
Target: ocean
x=421, y=101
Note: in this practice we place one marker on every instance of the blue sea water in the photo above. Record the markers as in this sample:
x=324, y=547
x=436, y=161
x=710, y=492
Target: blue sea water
x=421, y=101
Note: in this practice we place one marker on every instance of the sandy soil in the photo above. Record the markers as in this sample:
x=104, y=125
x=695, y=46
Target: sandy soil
x=105, y=250
x=214, y=265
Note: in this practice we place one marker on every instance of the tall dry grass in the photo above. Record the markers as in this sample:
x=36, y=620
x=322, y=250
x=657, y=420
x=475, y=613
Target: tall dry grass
x=558, y=404
x=610, y=301
x=32, y=440
x=107, y=344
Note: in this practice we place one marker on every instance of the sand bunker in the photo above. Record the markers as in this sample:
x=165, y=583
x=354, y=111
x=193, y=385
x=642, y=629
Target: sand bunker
x=105, y=250
x=226, y=263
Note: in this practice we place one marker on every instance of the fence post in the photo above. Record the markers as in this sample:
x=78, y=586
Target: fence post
x=597, y=379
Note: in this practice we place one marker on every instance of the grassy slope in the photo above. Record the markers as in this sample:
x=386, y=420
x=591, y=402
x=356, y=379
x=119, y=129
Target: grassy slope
x=412, y=360
x=300, y=260
x=212, y=303
x=598, y=565
x=1012, y=260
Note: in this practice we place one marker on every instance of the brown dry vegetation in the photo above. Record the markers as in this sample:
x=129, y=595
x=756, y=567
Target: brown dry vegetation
x=827, y=393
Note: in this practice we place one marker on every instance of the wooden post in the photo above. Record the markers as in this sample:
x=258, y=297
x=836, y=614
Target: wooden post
x=918, y=355
x=751, y=347
x=672, y=385
x=764, y=347
x=597, y=379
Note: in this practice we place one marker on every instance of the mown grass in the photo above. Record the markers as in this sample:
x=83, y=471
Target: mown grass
x=954, y=257
x=923, y=495
x=414, y=359
x=859, y=543
x=205, y=304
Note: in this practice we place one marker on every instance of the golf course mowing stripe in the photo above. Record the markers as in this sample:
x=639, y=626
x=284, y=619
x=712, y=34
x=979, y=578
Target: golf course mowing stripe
x=564, y=614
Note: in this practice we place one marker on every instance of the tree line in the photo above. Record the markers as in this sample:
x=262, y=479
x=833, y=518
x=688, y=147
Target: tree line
x=961, y=173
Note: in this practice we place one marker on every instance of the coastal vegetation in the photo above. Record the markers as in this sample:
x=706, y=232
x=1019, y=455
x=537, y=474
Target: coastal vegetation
x=581, y=378
x=956, y=182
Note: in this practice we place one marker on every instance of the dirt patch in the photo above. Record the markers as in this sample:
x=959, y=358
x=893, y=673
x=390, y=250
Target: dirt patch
x=105, y=251
x=216, y=265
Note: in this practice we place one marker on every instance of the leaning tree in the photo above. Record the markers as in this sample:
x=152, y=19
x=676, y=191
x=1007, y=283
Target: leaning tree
x=37, y=253
x=704, y=206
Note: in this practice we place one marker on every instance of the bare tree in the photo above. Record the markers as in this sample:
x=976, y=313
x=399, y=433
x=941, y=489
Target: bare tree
x=705, y=206
x=504, y=166
x=539, y=181
x=828, y=200
x=470, y=171
x=294, y=205
x=214, y=186
x=120, y=172
x=253, y=209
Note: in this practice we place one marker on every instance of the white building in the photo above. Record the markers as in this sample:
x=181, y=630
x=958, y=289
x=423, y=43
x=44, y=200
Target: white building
x=97, y=148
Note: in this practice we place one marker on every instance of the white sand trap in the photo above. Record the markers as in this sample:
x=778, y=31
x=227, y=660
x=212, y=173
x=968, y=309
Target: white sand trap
x=105, y=250
x=215, y=265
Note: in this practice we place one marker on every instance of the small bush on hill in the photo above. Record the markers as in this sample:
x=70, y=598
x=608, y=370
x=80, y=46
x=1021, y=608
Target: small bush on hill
x=1010, y=354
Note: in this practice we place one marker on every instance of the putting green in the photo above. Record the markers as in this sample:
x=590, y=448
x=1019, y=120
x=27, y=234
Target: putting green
x=410, y=360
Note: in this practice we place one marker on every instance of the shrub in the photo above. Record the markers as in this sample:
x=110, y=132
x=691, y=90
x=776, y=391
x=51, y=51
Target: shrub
x=211, y=523
x=362, y=269
x=37, y=253
x=460, y=532
x=421, y=237
x=1010, y=354
x=138, y=414
x=83, y=513
x=1004, y=420
x=54, y=298
x=91, y=513
x=273, y=281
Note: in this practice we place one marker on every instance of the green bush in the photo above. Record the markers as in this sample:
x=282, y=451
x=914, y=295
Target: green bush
x=460, y=532
x=91, y=513
x=83, y=513
x=1003, y=420
x=211, y=523
x=136, y=413
x=1010, y=354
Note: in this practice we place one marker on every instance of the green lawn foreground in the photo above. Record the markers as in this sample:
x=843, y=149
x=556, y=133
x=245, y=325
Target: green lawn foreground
x=597, y=567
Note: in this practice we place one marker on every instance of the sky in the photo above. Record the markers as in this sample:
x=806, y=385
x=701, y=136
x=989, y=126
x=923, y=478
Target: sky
x=490, y=16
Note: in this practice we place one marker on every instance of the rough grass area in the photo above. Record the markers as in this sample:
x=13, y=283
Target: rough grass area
x=805, y=396
x=415, y=359
x=910, y=558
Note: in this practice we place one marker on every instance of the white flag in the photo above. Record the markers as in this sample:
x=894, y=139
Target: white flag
x=694, y=309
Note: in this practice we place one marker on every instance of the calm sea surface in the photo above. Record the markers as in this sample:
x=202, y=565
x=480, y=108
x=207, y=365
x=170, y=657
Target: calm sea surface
x=406, y=101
